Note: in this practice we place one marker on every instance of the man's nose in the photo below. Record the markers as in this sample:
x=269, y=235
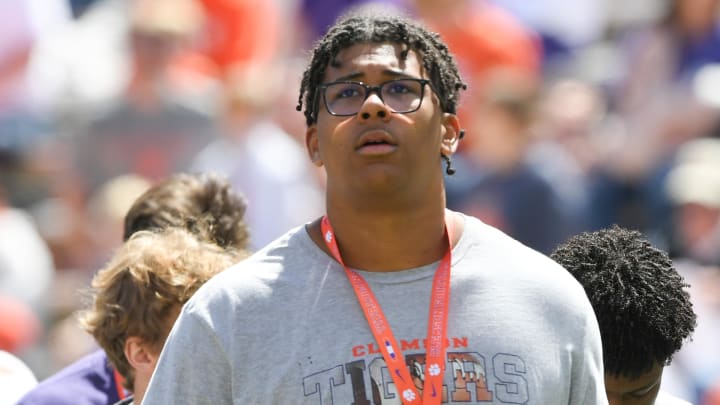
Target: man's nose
x=373, y=106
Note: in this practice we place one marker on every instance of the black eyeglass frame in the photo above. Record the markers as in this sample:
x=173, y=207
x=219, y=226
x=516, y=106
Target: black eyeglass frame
x=321, y=92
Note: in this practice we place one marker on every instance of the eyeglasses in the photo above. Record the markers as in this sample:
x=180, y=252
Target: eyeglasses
x=346, y=98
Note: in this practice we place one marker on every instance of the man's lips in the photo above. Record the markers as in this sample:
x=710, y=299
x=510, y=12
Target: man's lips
x=376, y=142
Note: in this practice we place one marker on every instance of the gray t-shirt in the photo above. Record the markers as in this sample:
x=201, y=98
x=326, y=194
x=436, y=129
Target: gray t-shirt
x=285, y=327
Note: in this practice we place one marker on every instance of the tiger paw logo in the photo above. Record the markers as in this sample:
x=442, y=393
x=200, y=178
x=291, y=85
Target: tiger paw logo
x=409, y=395
x=434, y=369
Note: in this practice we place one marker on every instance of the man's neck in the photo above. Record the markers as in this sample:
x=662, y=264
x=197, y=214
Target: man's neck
x=389, y=240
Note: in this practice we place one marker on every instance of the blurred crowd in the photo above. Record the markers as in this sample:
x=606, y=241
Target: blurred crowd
x=578, y=115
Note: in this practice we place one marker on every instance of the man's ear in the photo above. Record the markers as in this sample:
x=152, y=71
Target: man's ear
x=139, y=354
x=451, y=134
x=311, y=143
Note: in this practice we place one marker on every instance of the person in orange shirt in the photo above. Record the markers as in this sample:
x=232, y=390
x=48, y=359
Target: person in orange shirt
x=483, y=37
x=238, y=33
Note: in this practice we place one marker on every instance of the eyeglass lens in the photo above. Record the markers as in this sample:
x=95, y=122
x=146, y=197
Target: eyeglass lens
x=347, y=98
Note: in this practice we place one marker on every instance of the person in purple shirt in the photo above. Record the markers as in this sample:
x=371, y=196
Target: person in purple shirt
x=206, y=206
x=88, y=381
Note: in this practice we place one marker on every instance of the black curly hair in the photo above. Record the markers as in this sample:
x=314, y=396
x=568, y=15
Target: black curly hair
x=639, y=298
x=368, y=25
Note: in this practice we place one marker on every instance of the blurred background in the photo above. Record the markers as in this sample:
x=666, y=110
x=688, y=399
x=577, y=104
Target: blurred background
x=579, y=115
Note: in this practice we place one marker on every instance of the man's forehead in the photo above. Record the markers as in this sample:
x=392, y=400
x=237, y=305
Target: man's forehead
x=390, y=55
x=371, y=48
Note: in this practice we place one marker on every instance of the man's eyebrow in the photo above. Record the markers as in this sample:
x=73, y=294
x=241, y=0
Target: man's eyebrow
x=351, y=76
x=358, y=75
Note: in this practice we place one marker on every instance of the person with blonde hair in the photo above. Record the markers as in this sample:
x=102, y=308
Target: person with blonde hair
x=137, y=296
x=203, y=204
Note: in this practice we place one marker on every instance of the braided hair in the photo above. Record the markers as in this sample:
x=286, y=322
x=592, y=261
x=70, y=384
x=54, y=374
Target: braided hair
x=640, y=301
x=369, y=27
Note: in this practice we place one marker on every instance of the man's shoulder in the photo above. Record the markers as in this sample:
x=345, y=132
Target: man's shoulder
x=91, y=377
x=293, y=247
x=515, y=262
x=283, y=260
x=492, y=239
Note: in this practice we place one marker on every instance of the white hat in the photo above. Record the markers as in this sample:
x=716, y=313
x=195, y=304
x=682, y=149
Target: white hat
x=696, y=175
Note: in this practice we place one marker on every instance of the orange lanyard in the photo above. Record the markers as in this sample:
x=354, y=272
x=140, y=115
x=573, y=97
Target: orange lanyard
x=119, y=380
x=436, y=332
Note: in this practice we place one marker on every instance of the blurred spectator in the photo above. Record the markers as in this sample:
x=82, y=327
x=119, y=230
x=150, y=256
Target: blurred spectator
x=26, y=266
x=571, y=115
x=267, y=164
x=24, y=118
x=84, y=63
x=660, y=61
x=654, y=101
x=20, y=326
x=694, y=188
x=563, y=27
x=290, y=74
x=106, y=210
x=483, y=37
x=496, y=181
x=206, y=206
x=316, y=16
x=15, y=378
x=162, y=120
x=24, y=23
x=82, y=229
x=240, y=33
x=81, y=241
x=696, y=367
x=145, y=116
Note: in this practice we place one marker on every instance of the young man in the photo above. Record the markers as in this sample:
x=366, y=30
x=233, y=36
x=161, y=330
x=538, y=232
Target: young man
x=203, y=204
x=288, y=325
x=641, y=304
x=137, y=296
